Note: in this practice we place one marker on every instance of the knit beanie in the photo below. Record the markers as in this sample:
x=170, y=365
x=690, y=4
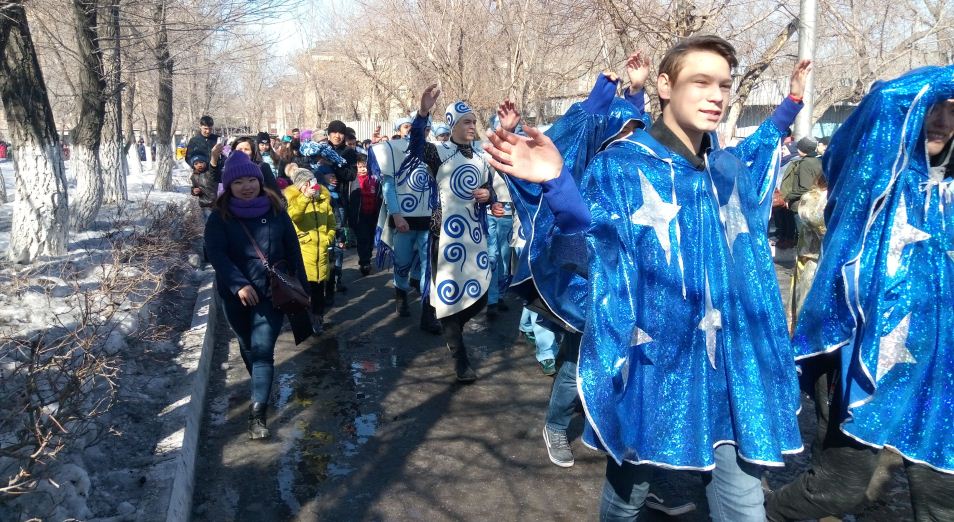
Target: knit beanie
x=198, y=156
x=306, y=135
x=262, y=137
x=807, y=146
x=300, y=176
x=337, y=126
x=239, y=165
x=455, y=112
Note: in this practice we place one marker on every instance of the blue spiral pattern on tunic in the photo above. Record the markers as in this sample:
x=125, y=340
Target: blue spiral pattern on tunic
x=456, y=252
x=409, y=202
x=455, y=226
x=448, y=292
x=483, y=260
x=419, y=180
x=472, y=288
x=464, y=180
x=476, y=234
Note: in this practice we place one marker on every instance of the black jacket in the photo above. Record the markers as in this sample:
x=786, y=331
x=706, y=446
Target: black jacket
x=233, y=256
x=200, y=143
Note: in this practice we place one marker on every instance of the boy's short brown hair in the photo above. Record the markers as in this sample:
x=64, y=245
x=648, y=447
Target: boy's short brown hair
x=674, y=58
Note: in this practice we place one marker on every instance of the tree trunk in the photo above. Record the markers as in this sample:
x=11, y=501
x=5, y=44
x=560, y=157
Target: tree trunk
x=41, y=213
x=131, y=146
x=164, y=158
x=112, y=155
x=86, y=136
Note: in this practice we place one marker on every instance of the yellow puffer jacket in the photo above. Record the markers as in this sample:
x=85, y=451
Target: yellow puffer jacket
x=315, y=224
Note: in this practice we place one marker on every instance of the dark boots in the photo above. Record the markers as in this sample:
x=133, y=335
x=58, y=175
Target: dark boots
x=401, y=297
x=256, y=421
x=429, y=322
x=462, y=368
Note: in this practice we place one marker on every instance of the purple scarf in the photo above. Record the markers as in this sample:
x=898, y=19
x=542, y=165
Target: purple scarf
x=251, y=208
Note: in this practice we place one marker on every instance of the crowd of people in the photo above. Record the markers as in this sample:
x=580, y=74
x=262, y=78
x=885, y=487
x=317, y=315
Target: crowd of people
x=641, y=251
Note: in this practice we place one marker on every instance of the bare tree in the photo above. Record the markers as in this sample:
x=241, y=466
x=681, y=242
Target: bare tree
x=41, y=213
x=87, y=133
x=164, y=65
x=113, y=149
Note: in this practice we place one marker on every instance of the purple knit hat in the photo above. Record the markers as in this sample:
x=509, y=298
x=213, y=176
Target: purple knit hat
x=239, y=165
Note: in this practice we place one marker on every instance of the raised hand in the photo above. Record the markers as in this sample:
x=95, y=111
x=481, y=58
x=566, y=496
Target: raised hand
x=428, y=99
x=376, y=136
x=799, y=76
x=534, y=158
x=508, y=116
x=637, y=68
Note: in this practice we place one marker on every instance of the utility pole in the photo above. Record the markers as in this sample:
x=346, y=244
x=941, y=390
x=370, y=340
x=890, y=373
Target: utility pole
x=806, y=51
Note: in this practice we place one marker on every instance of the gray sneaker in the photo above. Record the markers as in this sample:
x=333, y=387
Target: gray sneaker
x=666, y=497
x=557, y=447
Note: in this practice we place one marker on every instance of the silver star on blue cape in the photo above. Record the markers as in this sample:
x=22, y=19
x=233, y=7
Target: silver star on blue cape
x=891, y=349
x=655, y=213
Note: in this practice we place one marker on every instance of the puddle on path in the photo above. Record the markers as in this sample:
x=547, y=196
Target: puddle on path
x=326, y=397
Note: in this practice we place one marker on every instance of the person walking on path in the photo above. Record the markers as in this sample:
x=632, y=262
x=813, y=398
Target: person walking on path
x=309, y=206
x=459, y=271
x=673, y=227
x=246, y=218
x=874, y=336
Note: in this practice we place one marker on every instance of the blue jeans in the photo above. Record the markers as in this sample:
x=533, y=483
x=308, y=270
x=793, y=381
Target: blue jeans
x=563, y=398
x=545, y=339
x=498, y=246
x=408, y=247
x=733, y=489
x=257, y=330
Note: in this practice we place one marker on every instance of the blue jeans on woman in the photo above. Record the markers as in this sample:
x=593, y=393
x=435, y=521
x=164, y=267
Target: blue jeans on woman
x=256, y=328
x=733, y=489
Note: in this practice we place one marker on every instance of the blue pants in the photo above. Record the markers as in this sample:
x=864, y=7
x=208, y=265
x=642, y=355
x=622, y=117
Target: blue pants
x=498, y=246
x=563, y=398
x=407, y=247
x=733, y=489
x=257, y=330
x=546, y=341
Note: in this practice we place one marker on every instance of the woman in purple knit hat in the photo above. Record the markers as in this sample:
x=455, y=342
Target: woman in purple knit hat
x=249, y=213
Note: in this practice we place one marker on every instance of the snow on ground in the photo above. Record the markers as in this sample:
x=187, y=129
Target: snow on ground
x=104, y=473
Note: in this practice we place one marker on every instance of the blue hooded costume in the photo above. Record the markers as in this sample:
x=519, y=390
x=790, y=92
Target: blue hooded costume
x=585, y=129
x=883, y=296
x=686, y=345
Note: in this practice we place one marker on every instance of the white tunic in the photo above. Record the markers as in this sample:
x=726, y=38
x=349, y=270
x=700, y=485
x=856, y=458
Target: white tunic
x=462, y=272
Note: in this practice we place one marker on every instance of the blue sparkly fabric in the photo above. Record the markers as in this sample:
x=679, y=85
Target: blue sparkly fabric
x=689, y=349
x=883, y=296
x=579, y=135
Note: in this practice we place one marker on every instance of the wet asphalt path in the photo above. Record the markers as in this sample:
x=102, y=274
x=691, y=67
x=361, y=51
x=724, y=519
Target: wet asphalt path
x=368, y=424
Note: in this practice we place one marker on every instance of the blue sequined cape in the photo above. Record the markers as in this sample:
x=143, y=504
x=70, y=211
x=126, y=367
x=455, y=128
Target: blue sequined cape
x=578, y=135
x=883, y=296
x=687, y=349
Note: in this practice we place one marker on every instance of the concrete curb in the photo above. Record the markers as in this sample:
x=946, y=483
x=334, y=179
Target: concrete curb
x=200, y=335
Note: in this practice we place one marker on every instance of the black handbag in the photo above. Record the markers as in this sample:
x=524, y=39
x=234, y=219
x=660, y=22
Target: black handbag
x=287, y=292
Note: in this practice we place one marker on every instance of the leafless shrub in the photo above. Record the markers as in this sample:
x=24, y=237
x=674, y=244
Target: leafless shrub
x=56, y=381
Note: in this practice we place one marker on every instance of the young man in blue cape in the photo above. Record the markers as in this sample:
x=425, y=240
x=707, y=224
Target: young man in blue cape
x=685, y=360
x=876, y=334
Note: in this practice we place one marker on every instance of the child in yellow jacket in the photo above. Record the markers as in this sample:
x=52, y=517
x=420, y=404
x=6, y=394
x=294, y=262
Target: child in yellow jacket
x=309, y=206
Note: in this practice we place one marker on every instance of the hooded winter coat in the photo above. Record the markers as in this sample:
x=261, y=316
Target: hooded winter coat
x=314, y=222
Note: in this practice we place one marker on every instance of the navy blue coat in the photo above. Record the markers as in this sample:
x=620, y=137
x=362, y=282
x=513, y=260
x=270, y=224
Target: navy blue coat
x=233, y=256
